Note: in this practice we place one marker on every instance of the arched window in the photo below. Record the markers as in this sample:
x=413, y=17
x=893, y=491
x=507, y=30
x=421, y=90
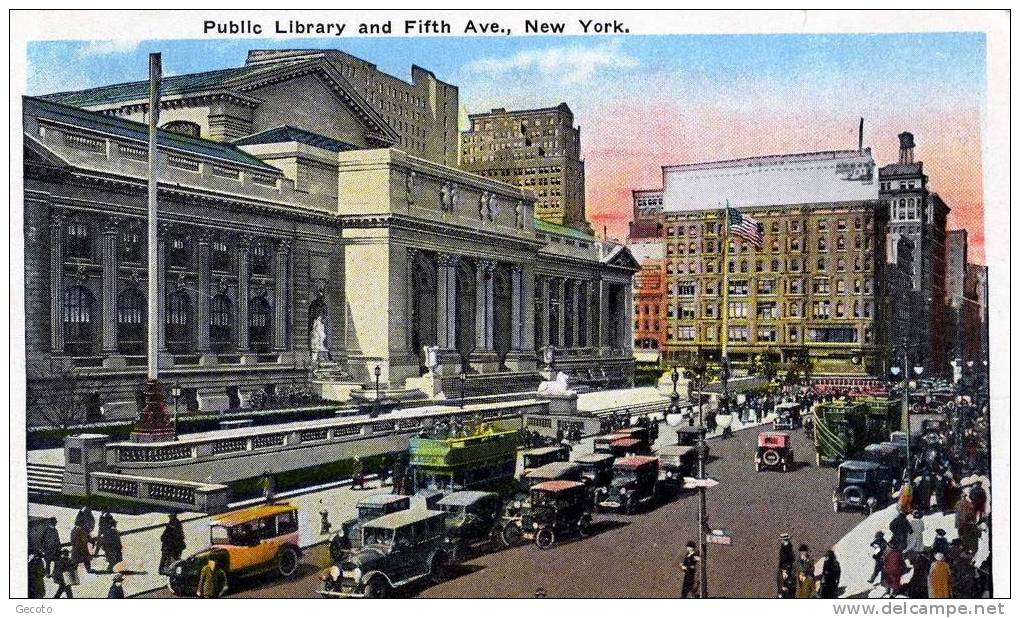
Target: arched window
x=78, y=318
x=220, y=316
x=258, y=324
x=184, y=127
x=178, y=322
x=131, y=322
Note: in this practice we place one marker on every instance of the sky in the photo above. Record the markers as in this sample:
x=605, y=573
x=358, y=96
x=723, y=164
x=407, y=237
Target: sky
x=647, y=101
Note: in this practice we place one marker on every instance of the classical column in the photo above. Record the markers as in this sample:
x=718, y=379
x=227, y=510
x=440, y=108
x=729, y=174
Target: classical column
x=575, y=324
x=410, y=311
x=56, y=283
x=243, y=268
x=203, y=295
x=561, y=322
x=161, y=297
x=483, y=305
x=446, y=305
x=628, y=316
x=600, y=314
x=109, y=257
x=516, y=307
x=542, y=292
x=281, y=258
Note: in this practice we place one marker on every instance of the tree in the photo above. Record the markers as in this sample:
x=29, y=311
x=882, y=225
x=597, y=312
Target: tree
x=60, y=395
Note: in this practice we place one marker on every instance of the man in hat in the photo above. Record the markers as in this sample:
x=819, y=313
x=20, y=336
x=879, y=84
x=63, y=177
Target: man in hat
x=901, y=530
x=804, y=562
x=50, y=544
x=689, y=568
x=36, y=576
x=65, y=574
x=210, y=581
x=831, y=573
x=116, y=588
x=786, y=557
x=171, y=543
x=941, y=543
x=113, y=549
x=915, y=540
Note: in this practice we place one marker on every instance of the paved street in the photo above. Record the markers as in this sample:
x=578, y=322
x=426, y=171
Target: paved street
x=639, y=555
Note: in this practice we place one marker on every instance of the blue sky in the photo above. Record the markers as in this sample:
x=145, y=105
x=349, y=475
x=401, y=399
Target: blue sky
x=647, y=101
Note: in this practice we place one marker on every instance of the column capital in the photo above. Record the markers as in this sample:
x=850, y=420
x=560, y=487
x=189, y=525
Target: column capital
x=447, y=259
x=245, y=241
x=487, y=266
x=283, y=245
x=166, y=228
x=57, y=218
x=517, y=268
x=112, y=225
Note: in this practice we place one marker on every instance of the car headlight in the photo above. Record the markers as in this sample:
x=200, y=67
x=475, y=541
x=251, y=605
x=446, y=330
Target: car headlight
x=357, y=574
x=534, y=525
x=517, y=504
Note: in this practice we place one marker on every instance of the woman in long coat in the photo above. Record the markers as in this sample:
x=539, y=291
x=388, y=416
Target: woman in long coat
x=80, y=553
x=830, y=576
x=920, y=565
x=892, y=570
x=940, y=579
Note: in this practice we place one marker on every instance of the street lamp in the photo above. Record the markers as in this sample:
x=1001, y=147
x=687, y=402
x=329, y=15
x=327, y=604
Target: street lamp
x=697, y=377
x=463, y=382
x=176, y=393
x=673, y=416
x=375, y=406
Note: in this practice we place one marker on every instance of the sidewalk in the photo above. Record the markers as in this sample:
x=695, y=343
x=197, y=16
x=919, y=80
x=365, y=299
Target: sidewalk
x=854, y=550
x=140, y=535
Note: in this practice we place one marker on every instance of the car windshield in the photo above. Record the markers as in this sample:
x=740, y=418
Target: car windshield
x=219, y=535
x=542, y=498
x=621, y=477
x=378, y=536
x=454, y=510
x=856, y=476
x=370, y=512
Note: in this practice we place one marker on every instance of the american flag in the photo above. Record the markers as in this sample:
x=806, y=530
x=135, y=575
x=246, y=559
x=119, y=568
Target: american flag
x=747, y=227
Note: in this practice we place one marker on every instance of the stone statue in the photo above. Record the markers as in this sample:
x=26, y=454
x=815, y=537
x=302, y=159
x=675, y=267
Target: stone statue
x=559, y=386
x=431, y=357
x=519, y=214
x=318, y=338
x=409, y=188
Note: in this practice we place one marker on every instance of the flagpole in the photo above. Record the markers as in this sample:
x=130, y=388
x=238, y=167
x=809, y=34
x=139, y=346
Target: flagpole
x=724, y=369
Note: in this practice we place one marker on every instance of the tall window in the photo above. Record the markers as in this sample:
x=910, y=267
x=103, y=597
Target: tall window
x=258, y=324
x=178, y=322
x=78, y=241
x=78, y=318
x=220, y=255
x=259, y=259
x=220, y=312
x=179, y=254
x=131, y=246
x=131, y=322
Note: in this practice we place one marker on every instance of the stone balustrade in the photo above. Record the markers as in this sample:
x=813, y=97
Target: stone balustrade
x=177, y=494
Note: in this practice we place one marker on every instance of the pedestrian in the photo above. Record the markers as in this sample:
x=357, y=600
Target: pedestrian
x=966, y=524
x=905, y=503
x=940, y=582
x=920, y=564
x=116, y=588
x=878, y=547
x=831, y=573
x=901, y=530
x=106, y=521
x=915, y=541
x=399, y=472
x=941, y=543
x=357, y=474
x=171, y=543
x=112, y=546
x=805, y=586
x=786, y=585
x=81, y=552
x=786, y=556
x=36, y=576
x=49, y=543
x=804, y=562
x=892, y=570
x=65, y=574
x=85, y=519
x=210, y=581
x=690, y=568
x=979, y=498
x=324, y=524
x=983, y=585
x=268, y=484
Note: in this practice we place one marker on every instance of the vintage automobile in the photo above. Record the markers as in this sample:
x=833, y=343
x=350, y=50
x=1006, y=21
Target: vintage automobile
x=675, y=463
x=627, y=441
x=787, y=416
x=397, y=549
x=688, y=436
x=243, y=543
x=556, y=471
x=596, y=469
x=538, y=457
x=862, y=485
x=472, y=521
x=348, y=537
x=775, y=451
x=888, y=455
x=635, y=482
x=554, y=509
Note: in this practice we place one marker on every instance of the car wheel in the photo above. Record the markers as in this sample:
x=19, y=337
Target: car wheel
x=770, y=457
x=545, y=538
x=584, y=526
x=439, y=569
x=511, y=535
x=377, y=588
x=287, y=562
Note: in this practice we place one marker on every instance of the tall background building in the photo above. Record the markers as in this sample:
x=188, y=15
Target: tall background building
x=956, y=285
x=919, y=215
x=536, y=149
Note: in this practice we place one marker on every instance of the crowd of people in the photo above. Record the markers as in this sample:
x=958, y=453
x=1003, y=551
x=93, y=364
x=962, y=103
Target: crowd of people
x=797, y=577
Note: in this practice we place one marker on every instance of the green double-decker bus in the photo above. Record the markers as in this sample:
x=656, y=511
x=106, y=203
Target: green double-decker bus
x=486, y=461
x=843, y=428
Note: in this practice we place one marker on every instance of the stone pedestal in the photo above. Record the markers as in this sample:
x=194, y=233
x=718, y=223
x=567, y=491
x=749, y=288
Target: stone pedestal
x=155, y=424
x=333, y=383
x=561, y=403
x=83, y=454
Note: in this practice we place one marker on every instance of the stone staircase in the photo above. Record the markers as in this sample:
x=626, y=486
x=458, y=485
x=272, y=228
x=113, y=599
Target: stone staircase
x=44, y=479
x=481, y=385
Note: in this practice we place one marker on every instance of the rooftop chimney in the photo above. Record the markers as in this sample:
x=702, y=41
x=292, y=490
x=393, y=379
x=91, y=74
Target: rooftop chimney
x=906, y=147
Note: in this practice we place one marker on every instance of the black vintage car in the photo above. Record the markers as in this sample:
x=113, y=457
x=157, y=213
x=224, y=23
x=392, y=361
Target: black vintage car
x=688, y=436
x=183, y=577
x=863, y=485
x=472, y=521
x=556, y=471
x=787, y=416
x=635, y=482
x=554, y=509
x=538, y=457
x=596, y=469
x=675, y=463
x=397, y=549
x=348, y=537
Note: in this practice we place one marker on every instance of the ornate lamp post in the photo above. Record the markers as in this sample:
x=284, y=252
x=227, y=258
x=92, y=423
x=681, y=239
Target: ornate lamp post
x=903, y=373
x=176, y=393
x=375, y=404
x=697, y=377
